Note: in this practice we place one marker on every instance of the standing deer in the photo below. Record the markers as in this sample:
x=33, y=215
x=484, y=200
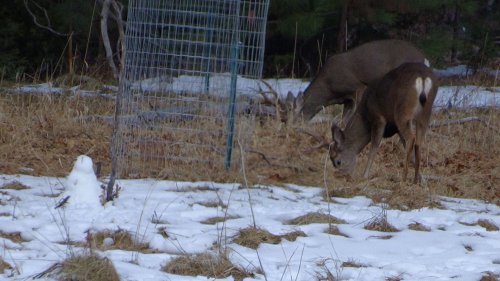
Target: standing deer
x=401, y=102
x=345, y=73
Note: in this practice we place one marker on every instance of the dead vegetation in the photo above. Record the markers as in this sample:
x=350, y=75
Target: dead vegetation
x=206, y=264
x=115, y=240
x=87, y=267
x=380, y=223
x=315, y=218
x=15, y=185
x=489, y=276
x=43, y=135
x=418, y=227
x=252, y=237
x=13, y=236
x=4, y=266
x=215, y=220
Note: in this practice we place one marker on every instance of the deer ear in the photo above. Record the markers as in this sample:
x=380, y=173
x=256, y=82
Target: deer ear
x=337, y=135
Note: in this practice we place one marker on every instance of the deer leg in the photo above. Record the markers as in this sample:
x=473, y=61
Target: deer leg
x=405, y=131
x=417, y=162
x=419, y=135
x=376, y=137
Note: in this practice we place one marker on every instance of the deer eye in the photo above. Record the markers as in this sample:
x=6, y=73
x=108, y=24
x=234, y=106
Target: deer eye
x=337, y=163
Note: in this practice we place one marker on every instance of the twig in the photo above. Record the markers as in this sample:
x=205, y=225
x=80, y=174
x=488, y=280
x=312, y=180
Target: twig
x=261, y=154
x=265, y=158
x=46, y=27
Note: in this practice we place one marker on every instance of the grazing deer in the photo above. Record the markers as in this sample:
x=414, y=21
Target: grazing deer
x=344, y=73
x=401, y=102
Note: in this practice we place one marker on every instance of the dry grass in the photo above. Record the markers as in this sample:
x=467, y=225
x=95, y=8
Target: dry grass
x=88, y=268
x=4, y=266
x=488, y=225
x=334, y=230
x=418, y=227
x=206, y=264
x=15, y=185
x=42, y=135
x=14, y=236
x=252, y=237
x=381, y=224
x=116, y=240
x=354, y=264
x=315, y=218
x=490, y=276
x=215, y=220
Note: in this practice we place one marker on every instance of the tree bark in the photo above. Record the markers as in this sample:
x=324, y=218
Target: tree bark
x=105, y=37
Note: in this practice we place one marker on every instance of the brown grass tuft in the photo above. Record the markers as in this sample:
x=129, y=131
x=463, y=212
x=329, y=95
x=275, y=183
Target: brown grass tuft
x=205, y=264
x=381, y=224
x=315, y=217
x=89, y=268
x=121, y=240
x=292, y=236
x=418, y=227
x=215, y=220
x=488, y=225
x=252, y=237
x=213, y=204
x=4, y=266
x=15, y=185
x=334, y=230
x=14, y=236
x=490, y=276
x=354, y=264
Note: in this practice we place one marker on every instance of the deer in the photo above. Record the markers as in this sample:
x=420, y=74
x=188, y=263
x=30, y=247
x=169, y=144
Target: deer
x=400, y=103
x=343, y=74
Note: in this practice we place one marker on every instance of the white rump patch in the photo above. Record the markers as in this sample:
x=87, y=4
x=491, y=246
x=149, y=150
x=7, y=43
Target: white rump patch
x=427, y=85
x=427, y=63
x=419, y=85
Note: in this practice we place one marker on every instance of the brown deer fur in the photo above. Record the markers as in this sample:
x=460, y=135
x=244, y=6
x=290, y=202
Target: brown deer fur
x=399, y=103
x=344, y=73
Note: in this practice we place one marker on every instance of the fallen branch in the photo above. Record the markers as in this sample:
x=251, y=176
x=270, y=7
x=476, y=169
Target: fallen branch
x=463, y=121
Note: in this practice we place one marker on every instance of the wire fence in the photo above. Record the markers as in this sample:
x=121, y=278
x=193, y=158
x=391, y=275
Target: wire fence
x=185, y=81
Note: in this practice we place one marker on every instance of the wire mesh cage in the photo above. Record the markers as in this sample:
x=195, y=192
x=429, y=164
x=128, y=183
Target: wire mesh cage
x=188, y=69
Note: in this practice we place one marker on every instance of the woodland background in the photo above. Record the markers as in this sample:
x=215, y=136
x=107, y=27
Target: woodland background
x=43, y=39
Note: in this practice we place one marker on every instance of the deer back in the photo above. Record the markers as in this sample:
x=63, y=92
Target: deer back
x=344, y=73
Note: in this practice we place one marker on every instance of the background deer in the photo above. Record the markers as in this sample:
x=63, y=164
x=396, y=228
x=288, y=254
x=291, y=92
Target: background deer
x=344, y=73
x=399, y=103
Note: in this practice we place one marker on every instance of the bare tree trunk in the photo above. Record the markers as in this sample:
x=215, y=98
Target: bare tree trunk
x=105, y=13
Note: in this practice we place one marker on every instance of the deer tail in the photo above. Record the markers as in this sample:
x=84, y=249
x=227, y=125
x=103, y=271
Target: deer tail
x=423, y=87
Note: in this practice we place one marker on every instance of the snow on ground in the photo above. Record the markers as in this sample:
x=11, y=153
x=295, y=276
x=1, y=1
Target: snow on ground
x=219, y=84
x=455, y=248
